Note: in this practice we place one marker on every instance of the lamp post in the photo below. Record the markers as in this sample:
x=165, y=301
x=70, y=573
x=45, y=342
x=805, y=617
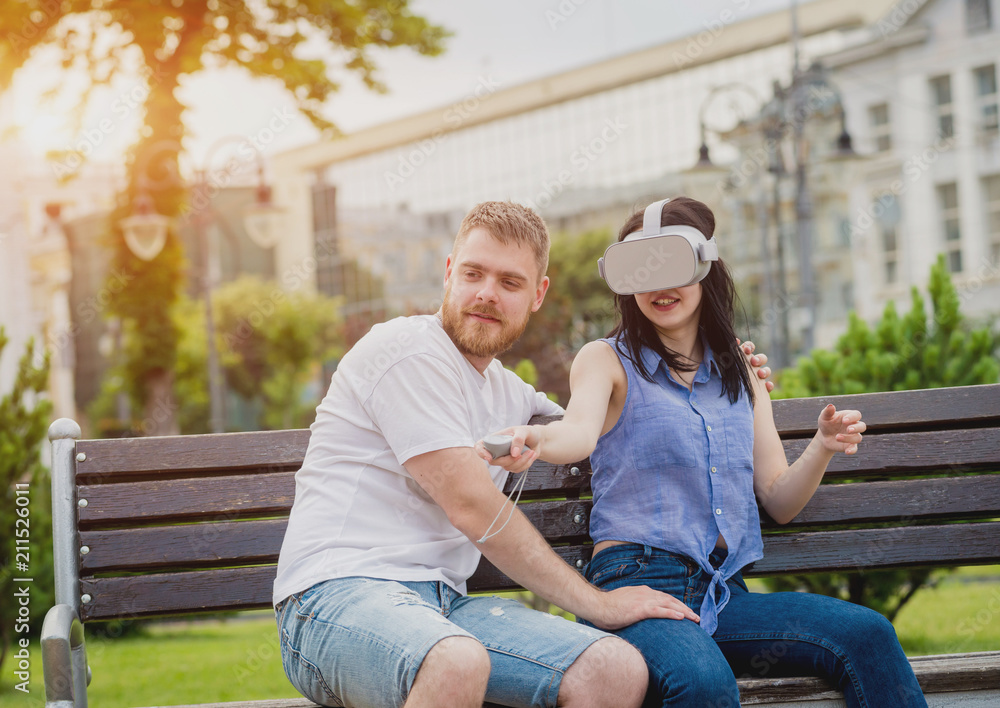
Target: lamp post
x=785, y=114
x=811, y=92
x=145, y=235
x=778, y=326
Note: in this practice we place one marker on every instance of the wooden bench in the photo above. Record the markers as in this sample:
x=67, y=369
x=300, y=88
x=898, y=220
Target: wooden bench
x=152, y=527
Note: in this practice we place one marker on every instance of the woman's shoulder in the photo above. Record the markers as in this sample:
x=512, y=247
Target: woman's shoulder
x=598, y=350
x=599, y=355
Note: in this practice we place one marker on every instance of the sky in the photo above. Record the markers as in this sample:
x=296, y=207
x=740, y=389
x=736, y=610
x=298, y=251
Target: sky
x=509, y=42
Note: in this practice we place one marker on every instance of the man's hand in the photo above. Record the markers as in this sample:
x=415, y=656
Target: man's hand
x=840, y=431
x=628, y=605
x=758, y=362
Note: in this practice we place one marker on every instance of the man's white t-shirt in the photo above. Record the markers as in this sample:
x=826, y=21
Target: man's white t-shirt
x=403, y=390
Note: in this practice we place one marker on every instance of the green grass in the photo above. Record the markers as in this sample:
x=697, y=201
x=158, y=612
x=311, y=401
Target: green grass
x=175, y=663
x=961, y=614
x=230, y=660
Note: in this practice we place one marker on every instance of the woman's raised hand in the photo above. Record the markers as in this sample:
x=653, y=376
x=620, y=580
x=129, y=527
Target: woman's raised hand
x=840, y=431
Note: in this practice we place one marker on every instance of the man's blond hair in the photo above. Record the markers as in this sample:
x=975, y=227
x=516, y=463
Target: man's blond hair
x=508, y=222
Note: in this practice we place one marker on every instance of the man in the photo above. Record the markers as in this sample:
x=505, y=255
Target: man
x=393, y=509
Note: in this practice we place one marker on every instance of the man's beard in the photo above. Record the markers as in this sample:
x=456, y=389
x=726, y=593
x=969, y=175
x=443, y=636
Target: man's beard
x=479, y=338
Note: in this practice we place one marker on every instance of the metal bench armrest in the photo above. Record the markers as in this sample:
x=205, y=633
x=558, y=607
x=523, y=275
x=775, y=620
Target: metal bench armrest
x=64, y=659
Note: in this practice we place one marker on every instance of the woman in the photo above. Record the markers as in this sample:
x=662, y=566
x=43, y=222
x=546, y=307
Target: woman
x=683, y=445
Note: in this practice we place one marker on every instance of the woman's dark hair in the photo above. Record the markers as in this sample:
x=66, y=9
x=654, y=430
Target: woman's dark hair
x=717, y=301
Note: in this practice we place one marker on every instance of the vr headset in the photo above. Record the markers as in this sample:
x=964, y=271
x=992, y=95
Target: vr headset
x=658, y=257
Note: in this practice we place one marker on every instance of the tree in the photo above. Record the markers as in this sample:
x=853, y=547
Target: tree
x=24, y=508
x=578, y=308
x=902, y=353
x=162, y=42
x=271, y=344
x=897, y=354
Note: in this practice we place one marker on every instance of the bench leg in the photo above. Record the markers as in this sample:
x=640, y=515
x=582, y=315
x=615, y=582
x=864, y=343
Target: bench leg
x=64, y=659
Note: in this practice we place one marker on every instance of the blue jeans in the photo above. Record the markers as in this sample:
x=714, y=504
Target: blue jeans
x=360, y=641
x=760, y=635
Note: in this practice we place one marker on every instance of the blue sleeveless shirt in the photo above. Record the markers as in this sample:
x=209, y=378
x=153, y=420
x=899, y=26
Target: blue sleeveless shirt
x=676, y=471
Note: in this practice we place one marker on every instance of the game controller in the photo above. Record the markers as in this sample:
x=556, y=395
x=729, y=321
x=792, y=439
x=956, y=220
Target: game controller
x=499, y=445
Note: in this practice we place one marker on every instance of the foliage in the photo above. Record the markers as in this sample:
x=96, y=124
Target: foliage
x=158, y=44
x=271, y=344
x=528, y=372
x=24, y=418
x=899, y=353
x=578, y=308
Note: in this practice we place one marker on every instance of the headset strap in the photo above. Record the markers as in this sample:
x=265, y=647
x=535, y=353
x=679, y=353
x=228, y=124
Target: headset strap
x=651, y=218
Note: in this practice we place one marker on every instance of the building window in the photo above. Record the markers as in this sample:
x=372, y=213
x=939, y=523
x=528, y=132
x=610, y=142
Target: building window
x=886, y=209
x=941, y=93
x=991, y=192
x=948, y=204
x=847, y=295
x=977, y=16
x=986, y=99
x=878, y=116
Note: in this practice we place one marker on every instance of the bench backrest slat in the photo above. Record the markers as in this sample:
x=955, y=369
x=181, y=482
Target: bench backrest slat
x=865, y=549
x=937, y=408
x=132, y=597
x=180, y=500
x=120, y=458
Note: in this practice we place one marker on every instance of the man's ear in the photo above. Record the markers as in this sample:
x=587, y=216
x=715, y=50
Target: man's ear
x=543, y=287
x=447, y=270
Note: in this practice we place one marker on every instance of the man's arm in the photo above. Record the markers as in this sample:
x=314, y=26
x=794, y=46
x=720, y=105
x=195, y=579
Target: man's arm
x=459, y=483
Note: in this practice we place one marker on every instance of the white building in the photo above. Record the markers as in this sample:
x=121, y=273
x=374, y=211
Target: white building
x=585, y=146
x=921, y=95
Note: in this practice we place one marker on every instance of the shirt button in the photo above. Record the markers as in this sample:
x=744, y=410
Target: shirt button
x=713, y=469
x=718, y=512
x=709, y=428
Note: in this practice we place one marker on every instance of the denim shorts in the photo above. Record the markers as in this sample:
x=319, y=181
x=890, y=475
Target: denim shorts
x=360, y=641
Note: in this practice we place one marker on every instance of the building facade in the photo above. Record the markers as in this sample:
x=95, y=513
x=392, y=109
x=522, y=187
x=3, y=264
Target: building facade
x=922, y=96
x=585, y=148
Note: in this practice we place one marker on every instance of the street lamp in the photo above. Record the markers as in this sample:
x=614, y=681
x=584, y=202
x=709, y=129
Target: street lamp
x=146, y=231
x=778, y=326
x=733, y=89
x=811, y=92
x=263, y=220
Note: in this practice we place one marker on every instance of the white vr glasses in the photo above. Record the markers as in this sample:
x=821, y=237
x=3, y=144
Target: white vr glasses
x=658, y=257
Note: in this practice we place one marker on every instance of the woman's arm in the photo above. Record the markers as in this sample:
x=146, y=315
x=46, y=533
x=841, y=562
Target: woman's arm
x=783, y=489
x=592, y=379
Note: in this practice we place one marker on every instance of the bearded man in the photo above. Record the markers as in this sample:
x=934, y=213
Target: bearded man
x=393, y=509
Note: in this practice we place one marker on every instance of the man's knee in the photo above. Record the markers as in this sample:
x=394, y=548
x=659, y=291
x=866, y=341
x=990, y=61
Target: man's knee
x=461, y=658
x=608, y=667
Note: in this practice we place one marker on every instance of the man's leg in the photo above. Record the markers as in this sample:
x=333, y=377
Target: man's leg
x=538, y=659
x=363, y=642
x=611, y=672
x=454, y=673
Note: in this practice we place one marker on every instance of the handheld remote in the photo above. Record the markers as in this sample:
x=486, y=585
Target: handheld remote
x=498, y=445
